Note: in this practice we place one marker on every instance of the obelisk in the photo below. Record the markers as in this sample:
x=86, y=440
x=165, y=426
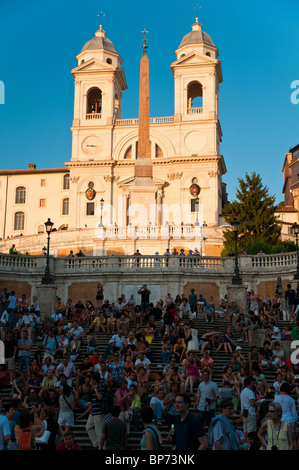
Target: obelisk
x=143, y=164
x=143, y=189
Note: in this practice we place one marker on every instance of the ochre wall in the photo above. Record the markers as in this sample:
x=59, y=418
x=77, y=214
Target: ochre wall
x=213, y=250
x=268, y=288
x=205, y=288
x=83, y=291
x=87, y=250
x=19, y=287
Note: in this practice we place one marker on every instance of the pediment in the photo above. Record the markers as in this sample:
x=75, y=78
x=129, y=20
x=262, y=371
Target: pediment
x=93, y=65
x=193, y=58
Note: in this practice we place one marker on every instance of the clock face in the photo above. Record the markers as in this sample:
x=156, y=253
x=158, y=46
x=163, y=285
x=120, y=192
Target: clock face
x=92, y=145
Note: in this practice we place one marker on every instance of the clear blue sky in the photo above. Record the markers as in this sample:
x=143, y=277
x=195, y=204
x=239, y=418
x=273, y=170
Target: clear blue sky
x=258, y=45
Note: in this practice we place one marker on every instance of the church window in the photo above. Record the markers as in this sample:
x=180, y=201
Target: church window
x=90, y=208
x=43, y=182
x=109, y=61
x=94, y=101
x=208, y=54
x=195, y=98
x=19, y=222
x=65, y=206
x=66, y=182
x=42, y=203
x=20, y=195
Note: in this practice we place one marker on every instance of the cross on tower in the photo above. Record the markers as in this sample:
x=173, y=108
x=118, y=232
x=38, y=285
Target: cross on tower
x=101, y=15
x=197, y=7
x=144, y=47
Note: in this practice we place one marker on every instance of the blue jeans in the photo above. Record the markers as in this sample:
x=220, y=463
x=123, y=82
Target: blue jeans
x=157, y=411
x=24, y=361
x=11, y=312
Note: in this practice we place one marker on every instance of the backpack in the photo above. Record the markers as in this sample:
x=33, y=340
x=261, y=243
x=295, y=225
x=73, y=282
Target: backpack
x=157, y=437
x=26, y=440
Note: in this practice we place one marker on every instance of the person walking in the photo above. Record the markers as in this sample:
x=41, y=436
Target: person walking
x=206, y=398
x=114, y=436
x=95, y=420
x=248, y=406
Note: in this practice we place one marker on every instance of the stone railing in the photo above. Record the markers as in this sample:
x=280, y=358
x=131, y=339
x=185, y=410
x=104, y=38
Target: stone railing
x=199, y=265
x=22, y=263
x=93, y=116
x=150, y=231
x=194, y=110
x=153, y=120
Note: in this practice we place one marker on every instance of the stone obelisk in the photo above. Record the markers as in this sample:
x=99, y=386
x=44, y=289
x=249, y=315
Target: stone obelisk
x=143, y=164
x=142, y=189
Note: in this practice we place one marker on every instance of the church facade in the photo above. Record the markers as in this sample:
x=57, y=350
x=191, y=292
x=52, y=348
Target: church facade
x=92, y=192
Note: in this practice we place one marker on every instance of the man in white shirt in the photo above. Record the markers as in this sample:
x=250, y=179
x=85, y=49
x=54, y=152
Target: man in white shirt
x=248, y=406
x=142, y=361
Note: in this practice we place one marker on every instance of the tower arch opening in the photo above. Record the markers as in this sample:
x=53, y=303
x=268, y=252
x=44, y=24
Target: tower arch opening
x=194, y=98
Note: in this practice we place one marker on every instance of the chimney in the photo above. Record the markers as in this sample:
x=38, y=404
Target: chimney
x=31, y=166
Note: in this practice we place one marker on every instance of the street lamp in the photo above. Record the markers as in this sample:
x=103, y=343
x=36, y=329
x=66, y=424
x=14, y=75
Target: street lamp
x=47, y=278
x=102, y=205
x=295, y=228
x=236, y=278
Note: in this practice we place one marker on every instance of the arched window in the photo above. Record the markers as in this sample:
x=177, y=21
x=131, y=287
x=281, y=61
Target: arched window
x=195, y=98
x=94, y=101
x=19, y=222
x=65, y=206
x=20, y=195
x=159, y=153
x=128, y=154
x=41, y=228
x=66, y=182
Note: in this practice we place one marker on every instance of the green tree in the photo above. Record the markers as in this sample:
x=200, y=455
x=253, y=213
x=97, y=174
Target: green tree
x=254, y=209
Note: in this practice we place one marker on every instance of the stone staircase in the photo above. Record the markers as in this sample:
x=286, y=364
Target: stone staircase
x=134, y=437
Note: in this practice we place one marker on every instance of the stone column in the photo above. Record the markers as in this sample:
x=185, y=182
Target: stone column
x=238, y=294
x=46, y=294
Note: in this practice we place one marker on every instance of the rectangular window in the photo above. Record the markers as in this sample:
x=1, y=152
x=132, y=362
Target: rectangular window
x=66, y=182
x=194, y=205
x=90, y=208
x=65, y=206
x=43, y=182
x=42, y=203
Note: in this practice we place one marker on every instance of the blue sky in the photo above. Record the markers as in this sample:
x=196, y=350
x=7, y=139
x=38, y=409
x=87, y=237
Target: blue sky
x=258, y=47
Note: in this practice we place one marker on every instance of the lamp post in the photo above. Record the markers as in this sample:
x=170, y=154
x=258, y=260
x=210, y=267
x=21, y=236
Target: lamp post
x=47, y=278
x=236, y=278
x=102, y=205
x=295, y=228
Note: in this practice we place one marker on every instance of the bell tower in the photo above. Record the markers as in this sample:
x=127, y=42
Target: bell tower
x=99, y=84
x=197, y=74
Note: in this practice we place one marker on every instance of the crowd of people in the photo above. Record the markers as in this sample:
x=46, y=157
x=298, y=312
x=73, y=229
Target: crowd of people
x=55, y=373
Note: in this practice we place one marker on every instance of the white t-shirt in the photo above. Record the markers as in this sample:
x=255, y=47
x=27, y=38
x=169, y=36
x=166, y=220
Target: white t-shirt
x=245, y=396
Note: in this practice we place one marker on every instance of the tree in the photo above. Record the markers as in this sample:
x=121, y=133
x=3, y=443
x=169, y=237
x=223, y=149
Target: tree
x=254, y=209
